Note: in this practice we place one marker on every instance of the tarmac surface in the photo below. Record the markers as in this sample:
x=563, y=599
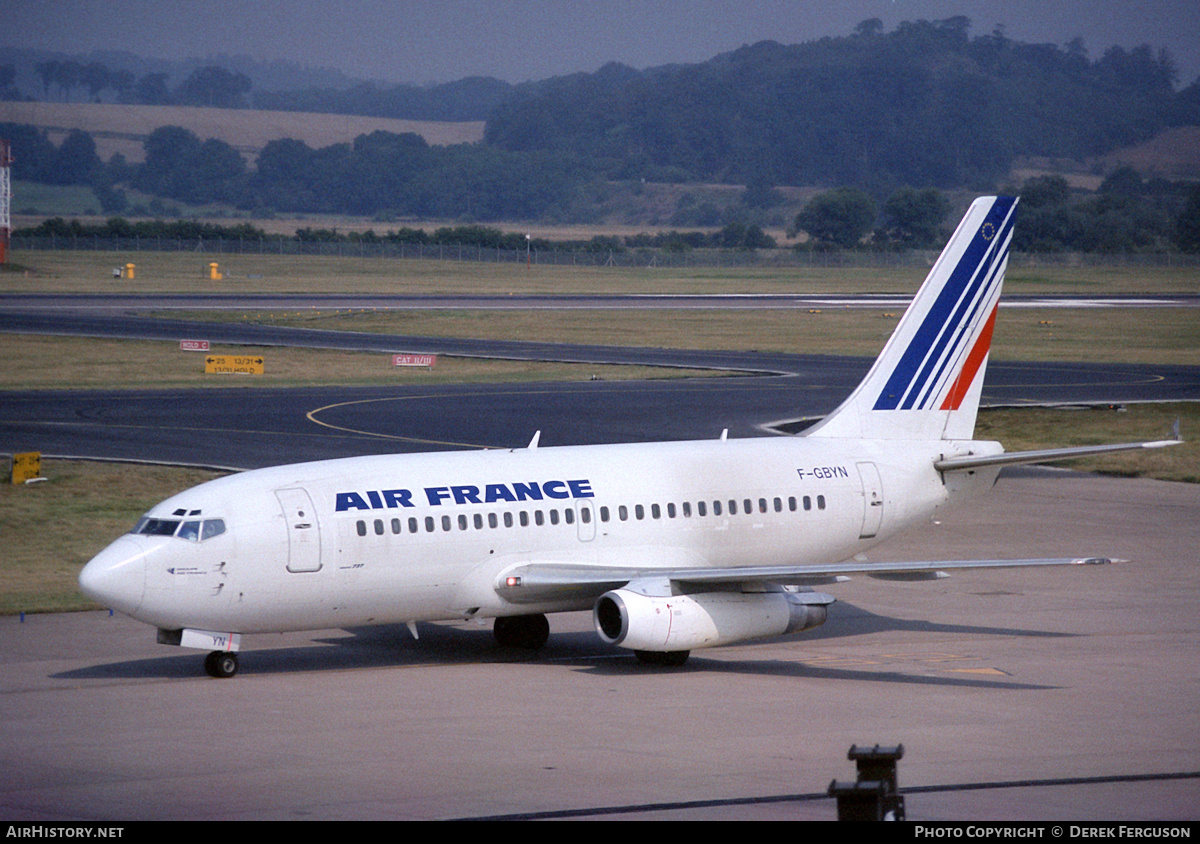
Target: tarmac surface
x=1055, y=695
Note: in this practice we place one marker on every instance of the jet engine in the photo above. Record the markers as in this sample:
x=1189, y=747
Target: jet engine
x=677, y=623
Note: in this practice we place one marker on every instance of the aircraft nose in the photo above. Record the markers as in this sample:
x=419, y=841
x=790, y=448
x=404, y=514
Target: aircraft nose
x=116, y=577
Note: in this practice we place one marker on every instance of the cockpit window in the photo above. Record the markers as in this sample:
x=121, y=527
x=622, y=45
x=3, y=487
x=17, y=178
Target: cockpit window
x=193, y=530
x=189, y=530
x=157, y=527
x=211, y=528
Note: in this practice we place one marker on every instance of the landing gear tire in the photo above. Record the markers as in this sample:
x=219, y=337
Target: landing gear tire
x=528, y=632
x=221, y=664
x=666, y=659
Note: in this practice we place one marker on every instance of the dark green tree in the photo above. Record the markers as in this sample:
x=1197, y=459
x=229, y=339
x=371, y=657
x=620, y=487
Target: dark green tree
x=1045, y=192
x=8, y=78
x=152, y=89
x=214, y=87
x=34, y=156
x=840, y=217
x=95, y=77
x=179, y=166
x=76, y=162
x=913, y=218
x=1187, y=224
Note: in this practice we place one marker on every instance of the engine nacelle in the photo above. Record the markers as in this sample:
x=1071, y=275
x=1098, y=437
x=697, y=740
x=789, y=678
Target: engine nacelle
x=703, y=620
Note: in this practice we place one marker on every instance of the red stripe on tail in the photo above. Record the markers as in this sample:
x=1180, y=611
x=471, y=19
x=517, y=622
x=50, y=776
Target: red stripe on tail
x=962, y=383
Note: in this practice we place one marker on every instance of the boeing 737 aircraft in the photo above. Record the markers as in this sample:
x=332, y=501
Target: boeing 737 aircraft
x=674, y=546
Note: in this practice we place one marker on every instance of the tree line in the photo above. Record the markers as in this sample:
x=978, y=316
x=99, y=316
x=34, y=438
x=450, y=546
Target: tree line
x=396, y=175
x=733, y=236
x=68, y=80
x=1126, y=215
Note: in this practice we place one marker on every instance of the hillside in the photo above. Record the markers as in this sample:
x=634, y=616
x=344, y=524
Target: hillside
x=123, y=128
x=926, y=105
x=1173, y=154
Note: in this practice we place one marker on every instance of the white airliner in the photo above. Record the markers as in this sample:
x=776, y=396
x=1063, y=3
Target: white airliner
x=674, y=545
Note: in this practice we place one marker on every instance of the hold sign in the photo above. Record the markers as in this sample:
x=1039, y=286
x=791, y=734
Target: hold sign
x=26, y=467
x=233, y=364
x=414, y=360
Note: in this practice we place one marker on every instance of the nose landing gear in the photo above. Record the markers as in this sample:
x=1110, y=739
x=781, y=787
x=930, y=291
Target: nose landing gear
x=221, y=664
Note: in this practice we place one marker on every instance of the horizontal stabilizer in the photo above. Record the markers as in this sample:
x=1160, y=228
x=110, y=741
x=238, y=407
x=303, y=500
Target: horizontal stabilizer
x=1046, y=455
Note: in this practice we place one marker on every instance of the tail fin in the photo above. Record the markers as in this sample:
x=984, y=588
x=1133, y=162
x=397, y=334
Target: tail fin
x=927, y=381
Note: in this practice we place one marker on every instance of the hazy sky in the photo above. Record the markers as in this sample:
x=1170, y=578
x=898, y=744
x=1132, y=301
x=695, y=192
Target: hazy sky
x=418, y=41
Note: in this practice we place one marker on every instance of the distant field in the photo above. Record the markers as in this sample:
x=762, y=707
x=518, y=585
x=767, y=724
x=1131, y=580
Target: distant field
x=1149, y=335
x=181, y=272
x=122, y=128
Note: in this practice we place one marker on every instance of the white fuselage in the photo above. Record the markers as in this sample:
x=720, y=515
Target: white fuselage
x=403, y=538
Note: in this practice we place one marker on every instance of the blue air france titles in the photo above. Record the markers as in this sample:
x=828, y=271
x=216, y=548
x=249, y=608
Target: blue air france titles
x=434, y=496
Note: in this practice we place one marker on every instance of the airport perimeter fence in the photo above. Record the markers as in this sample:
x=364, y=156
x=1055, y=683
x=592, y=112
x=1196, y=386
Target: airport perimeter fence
x=627, y=258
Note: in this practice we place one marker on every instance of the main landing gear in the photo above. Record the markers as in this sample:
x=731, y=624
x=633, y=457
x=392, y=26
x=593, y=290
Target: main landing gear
x=221, y=664
x=528, y=632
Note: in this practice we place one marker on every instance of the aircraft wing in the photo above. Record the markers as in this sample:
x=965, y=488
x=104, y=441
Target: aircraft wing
x=538, y=582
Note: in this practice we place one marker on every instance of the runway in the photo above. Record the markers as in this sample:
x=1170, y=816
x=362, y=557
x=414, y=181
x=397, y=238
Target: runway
x=1055, y=695
x=252, y=427
x=142, y=302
